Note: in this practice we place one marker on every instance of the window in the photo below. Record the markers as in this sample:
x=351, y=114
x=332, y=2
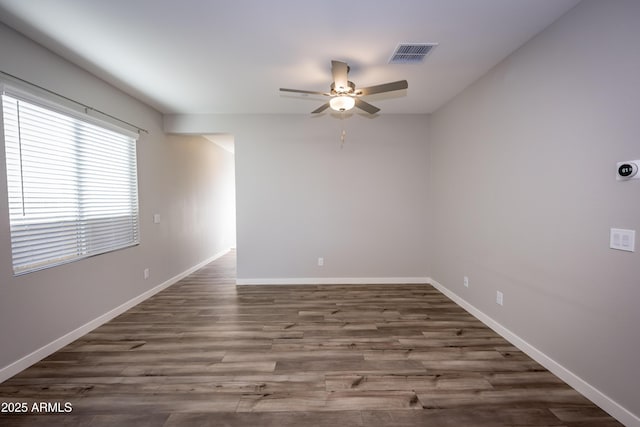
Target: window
x=71, y=181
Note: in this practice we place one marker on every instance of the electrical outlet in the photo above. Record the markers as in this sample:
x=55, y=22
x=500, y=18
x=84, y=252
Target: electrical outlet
x=624, y=240
x=320, y=262
x=499, y=298
x=466, y=282
x=146, y=273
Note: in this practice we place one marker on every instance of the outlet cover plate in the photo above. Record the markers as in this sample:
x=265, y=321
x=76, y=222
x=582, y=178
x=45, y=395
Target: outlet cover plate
x=623, y=240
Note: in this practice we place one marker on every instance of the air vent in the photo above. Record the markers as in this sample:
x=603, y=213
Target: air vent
x=411, y=53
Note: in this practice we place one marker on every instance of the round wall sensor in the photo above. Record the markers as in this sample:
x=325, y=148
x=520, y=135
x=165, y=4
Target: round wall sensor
x=627, y=170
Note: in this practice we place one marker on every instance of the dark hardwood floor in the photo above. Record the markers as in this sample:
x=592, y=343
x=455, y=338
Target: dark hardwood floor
x=207, y=353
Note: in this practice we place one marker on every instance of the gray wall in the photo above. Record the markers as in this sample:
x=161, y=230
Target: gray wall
x=534, y=146
x=363, y=207
x=187, y=180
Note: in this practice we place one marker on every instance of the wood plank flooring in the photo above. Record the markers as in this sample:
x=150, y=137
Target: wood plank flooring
x=207, y=353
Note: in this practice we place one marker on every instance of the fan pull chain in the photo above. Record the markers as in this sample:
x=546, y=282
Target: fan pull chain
x=344, y=132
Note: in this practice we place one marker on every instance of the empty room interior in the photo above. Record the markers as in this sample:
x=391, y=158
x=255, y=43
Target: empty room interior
x=284, y=213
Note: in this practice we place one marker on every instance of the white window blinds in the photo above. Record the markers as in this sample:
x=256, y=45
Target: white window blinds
x=72, y=186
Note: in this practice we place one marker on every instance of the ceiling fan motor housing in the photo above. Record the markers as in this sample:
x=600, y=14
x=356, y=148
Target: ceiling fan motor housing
x=351, y=88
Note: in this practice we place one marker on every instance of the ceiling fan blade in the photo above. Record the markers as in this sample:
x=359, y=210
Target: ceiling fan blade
x=339, y=70
x=321, y=108
x=371, y=109
x=304, y=91
x=386, y=87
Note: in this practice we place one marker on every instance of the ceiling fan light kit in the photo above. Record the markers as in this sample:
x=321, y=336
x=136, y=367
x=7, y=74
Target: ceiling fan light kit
x=343, y=92
x=342, y=103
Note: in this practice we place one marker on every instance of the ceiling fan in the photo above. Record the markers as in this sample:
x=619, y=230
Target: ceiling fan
x=343, y=93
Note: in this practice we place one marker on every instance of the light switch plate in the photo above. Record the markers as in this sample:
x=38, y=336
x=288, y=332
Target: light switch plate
x=156, y=218
x=623, y=240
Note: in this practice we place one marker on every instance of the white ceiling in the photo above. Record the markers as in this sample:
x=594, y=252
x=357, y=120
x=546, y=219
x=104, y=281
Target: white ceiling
x=231, y=56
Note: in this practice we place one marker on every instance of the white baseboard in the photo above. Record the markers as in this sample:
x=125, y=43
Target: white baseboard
x=334, y=281
x=48, y=349
x=596, y=396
